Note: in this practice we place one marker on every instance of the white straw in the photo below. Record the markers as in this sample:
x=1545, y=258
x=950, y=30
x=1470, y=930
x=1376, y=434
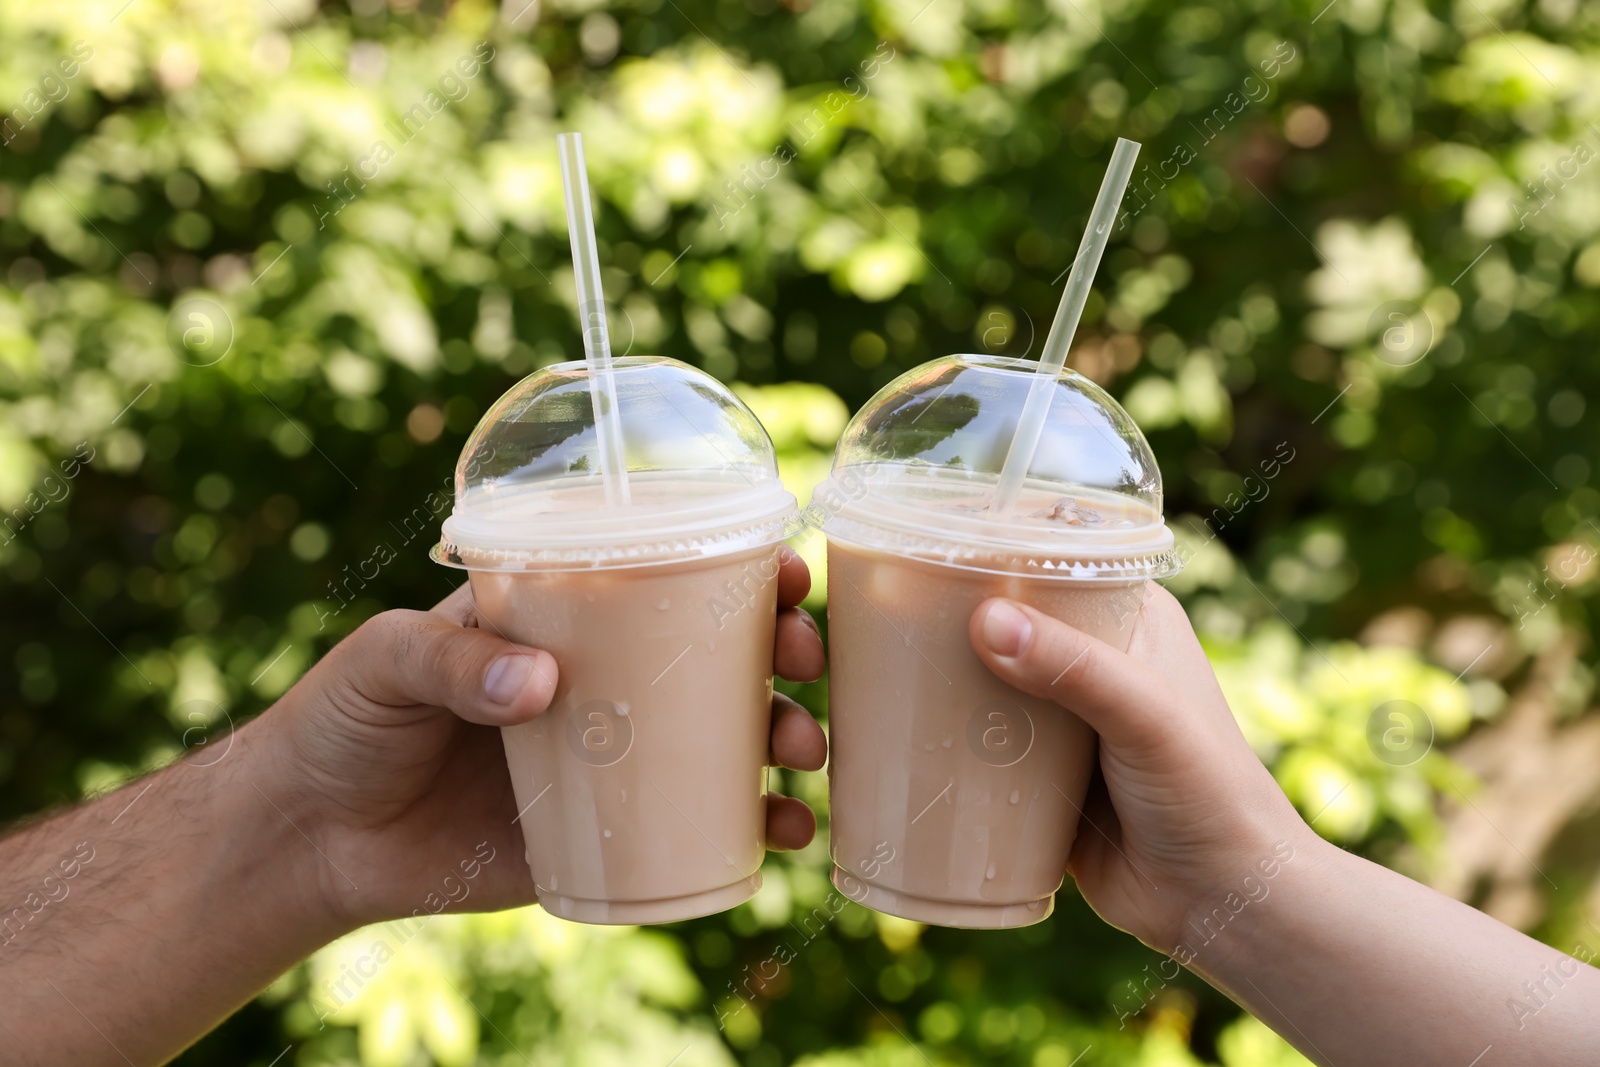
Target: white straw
x=1030, y=427
x=592, y=310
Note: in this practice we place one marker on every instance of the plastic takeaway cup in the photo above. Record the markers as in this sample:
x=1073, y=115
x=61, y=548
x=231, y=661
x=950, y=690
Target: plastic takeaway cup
x=641, y=790
x=955, y=797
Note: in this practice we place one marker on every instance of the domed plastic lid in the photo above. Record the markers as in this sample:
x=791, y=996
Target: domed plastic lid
x=916, y=471
x=702, y=476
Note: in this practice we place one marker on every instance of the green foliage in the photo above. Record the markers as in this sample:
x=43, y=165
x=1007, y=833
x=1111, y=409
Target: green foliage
x=264, y=266
x=1310, y=713
x=457, y=985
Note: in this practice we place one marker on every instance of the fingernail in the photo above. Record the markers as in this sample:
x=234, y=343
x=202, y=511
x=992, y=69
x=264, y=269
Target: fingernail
x=1006, y=630
x=506, y=677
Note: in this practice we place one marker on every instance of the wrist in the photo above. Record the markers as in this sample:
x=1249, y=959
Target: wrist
x=1258, y=908
x=1253, y=842
x=189, y=880
x=278, y=856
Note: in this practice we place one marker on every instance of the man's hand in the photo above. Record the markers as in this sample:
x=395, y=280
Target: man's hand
x=391, y=759
x=174, y=900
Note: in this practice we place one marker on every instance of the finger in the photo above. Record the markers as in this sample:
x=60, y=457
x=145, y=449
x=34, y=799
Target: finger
x=794, y=577
x=1098, y=829
x=790, y=823
x=458, y=607
x=1114, y=694
x=405, y=658
x=1164, y=640
x=797, y=740
x=797, y=653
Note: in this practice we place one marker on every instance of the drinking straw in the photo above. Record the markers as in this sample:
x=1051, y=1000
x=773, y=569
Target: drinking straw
x=592, y=309
x=1030, y=427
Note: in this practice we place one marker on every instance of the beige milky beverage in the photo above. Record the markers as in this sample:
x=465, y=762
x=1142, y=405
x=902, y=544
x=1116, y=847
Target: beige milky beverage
x=640, y=792
x=982, y=810
x=954, y=797
x=643, y=783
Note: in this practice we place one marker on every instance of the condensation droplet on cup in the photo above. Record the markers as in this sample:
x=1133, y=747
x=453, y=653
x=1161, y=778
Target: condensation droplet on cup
x=1016, y=796
x=664, y=605
x=949, y=741
x=928, y=746
x=607, y=833
x=990, y=872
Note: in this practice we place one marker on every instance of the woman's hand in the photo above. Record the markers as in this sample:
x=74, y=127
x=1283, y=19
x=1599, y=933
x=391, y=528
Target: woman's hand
x=1182, y=809
x=1190, y=845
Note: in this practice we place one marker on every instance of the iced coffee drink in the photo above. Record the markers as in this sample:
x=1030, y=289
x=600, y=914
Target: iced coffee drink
x=955, y=798
x=641, y=790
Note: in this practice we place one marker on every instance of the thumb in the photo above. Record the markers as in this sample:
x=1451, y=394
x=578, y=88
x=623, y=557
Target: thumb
x=414, y=657
x=1038, y=654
